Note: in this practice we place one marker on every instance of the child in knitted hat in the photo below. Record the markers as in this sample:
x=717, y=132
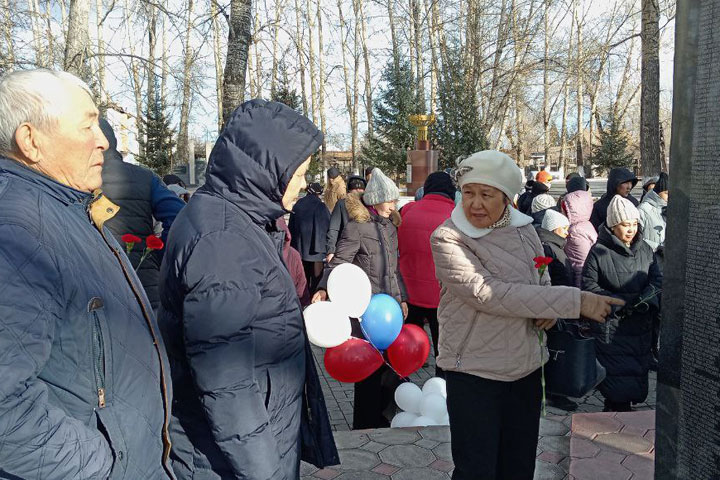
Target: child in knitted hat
x=381, y=193
x=622, y=219
x=553, y=234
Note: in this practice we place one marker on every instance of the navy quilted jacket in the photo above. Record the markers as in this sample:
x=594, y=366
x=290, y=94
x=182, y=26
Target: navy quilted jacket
x=82, y=390
x=229, y=311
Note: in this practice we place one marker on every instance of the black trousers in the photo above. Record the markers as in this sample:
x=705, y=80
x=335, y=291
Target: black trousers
x=418, y=316
x=313, y=274
x=494, y=426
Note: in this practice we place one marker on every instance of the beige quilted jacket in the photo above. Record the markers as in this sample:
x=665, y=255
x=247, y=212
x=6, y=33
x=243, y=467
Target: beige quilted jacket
x=491, y=293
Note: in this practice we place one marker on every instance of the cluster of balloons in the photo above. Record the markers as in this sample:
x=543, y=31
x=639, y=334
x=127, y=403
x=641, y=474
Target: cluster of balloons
x=350, y=359
x=421, y=408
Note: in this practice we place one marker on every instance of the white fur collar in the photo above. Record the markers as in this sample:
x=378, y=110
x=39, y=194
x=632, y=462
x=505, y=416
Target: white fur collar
x=517, y=219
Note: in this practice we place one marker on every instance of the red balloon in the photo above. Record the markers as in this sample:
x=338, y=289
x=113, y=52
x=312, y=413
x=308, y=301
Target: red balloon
x=352, y=361
x=410, y=350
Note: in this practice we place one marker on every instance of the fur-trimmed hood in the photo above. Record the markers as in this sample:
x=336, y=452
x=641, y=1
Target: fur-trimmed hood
x=359, y=212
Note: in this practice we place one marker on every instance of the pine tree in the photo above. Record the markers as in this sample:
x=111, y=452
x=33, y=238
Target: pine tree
x=157, y=136
x=459, y=131
x=612, y=151
x=393, y=133
x=283, y=92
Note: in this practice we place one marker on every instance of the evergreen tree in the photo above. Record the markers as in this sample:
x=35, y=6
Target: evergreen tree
x=394, y=134
x=459, y=131
x=157, y=136
x=612, y=151
x=283, y=92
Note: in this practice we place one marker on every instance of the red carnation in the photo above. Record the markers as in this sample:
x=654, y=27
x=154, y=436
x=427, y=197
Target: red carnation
x=130, y=238
x=542, y=262
x=154, y=243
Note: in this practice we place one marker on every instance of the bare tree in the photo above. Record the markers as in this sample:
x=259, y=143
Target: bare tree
x=217, y=62
x=78, y=40
x=237, y=56
x=183, y=148
x=321, y=93
x=300, y=48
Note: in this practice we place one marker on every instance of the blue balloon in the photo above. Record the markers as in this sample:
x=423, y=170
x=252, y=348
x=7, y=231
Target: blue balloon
x=382, y=321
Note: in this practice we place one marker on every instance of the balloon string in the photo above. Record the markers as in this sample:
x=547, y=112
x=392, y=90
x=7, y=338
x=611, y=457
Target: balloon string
x=378, y=350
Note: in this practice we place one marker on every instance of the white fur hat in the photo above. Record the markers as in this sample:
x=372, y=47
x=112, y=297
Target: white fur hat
x=492, y=168
x=621, y=210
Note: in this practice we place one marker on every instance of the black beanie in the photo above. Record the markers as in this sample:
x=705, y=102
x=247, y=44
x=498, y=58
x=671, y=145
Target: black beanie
x=109, y=133
x=662, y=184
x=577, y=183
x=314, y=189
x=356, y=183
x=439, y=182
x=333, y=172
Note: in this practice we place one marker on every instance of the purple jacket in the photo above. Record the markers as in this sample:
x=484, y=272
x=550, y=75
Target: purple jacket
x=578, y=207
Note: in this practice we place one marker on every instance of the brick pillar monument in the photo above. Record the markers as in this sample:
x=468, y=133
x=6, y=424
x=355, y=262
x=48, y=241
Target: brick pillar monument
x=422, y=161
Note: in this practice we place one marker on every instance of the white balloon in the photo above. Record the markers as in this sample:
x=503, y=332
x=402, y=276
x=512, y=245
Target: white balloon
x=349, y=287
x=435, y=385
x=433, y=405
x=327, y=325
x=423, y=421
x=408, y=397
x=403, y=419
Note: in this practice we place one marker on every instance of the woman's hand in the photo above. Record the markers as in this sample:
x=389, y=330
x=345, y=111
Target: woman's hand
x=545, y=323
x=404, y=307
x=597, y=307
x=320, y=296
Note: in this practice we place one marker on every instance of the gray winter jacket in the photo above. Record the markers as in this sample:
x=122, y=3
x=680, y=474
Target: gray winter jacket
x=652, y=219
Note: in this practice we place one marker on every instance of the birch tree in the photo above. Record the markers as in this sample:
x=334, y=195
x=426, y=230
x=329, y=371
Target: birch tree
x=237, y=56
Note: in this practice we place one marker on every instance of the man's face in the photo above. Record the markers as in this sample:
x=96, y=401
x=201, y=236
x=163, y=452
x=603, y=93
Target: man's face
x=624, y=189
x=72, y=151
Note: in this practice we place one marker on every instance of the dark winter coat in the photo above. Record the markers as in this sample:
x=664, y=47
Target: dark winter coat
x=370, y=242
x=309, y=224
x=142, y=197
x=230, y=312
x=623, y=342
x=338, y=220
x=615, y=178
x=560, y=269
x=526, y=199
x=83, y=387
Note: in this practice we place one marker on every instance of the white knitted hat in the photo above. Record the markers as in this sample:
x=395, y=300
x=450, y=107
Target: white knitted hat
x=621, y=210
x=380, y=189
x=542, y=202
x=553, y=220
x=492, y=168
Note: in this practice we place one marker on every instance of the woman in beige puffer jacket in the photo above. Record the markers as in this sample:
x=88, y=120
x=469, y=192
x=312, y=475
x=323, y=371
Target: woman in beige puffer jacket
x=493, y=304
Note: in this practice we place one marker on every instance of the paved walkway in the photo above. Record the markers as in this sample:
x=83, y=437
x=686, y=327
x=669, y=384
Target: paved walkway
x=424, y=453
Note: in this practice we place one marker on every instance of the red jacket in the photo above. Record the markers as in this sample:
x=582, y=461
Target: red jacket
x=419, y=221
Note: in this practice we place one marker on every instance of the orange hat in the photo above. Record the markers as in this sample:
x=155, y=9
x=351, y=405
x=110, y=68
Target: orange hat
x=543, y=177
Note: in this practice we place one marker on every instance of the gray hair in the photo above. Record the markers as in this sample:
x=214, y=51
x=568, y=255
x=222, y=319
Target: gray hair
x=32, y=96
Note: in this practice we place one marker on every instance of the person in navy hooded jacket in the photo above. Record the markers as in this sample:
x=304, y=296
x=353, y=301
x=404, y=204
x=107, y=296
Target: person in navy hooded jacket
x=243, y=377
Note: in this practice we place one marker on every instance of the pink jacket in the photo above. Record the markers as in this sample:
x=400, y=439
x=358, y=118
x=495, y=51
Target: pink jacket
x=293, y=262
x=578, y=207
x=419, y=221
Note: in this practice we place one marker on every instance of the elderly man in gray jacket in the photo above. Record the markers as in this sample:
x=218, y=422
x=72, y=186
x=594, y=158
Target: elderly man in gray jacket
x=84, y=391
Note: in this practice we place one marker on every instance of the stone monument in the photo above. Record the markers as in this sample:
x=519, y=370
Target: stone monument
x=688, y=391
x=422, y=161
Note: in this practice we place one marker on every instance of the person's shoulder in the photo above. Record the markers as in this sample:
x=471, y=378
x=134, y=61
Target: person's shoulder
x=21, y=204
x=446, y=231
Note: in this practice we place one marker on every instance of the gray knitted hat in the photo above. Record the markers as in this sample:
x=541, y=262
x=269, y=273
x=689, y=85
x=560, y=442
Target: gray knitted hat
x=380, y=189
x=553, y=220
x=621, y=210
x=542, y=202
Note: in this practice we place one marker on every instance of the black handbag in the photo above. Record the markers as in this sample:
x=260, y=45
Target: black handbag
x=572, y=369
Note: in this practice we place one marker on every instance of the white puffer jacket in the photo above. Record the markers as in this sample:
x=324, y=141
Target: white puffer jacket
x=491, y=293
x=652, y=220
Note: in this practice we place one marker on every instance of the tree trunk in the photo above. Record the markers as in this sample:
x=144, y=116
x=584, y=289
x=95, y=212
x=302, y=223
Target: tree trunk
x=49, y=35
x=321, y=93
x=78, y=40
x=419, y=73
x=183, y=147
x=344, y=31
x=490, y=108
x=650, y=95
x=9, y=60
x=393, y=34
x=579, y=80
x=279, y=6
x=258, y=60
x=237, y=56
x=368, y=78
x=434, y=67
x=566, y=97
x=164, y=60
x=309, y=16
x=37, y=36
x=152, y=42
x=356, y=81
x=546, y=83
x=136, y=82
x=101, y=100
x=218, y=63
x=300, y=57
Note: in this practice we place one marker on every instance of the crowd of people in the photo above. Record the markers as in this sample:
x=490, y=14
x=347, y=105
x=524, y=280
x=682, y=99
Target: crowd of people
x=197, y=366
